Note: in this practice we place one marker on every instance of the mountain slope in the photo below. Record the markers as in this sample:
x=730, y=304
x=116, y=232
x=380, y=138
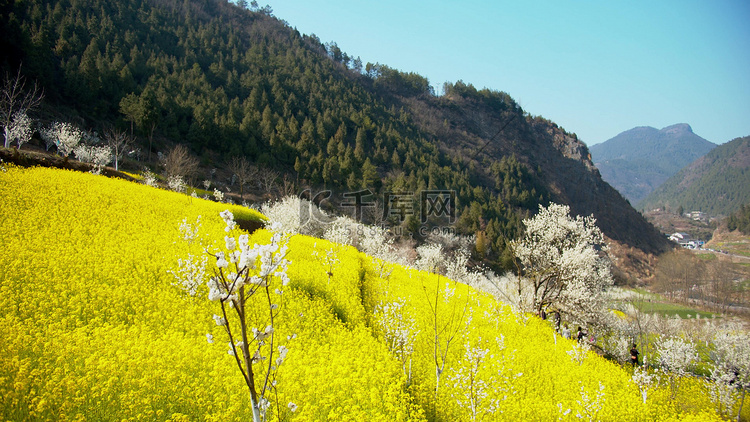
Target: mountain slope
x=637, y=161
x=717, y=183
x=229, y=81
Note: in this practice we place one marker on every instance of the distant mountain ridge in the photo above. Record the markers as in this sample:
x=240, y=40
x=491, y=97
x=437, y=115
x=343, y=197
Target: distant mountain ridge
x=717, y=183
x=639, y=160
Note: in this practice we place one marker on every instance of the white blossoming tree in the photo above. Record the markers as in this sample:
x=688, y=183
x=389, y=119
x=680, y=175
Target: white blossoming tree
x=297, y=215
x=447, y=314
x=478, y=375
x=676, y=357
x=64, y=136
x=20, y=129
x=561, y=264
x=15, y=102
x=730, y=369
x=98, y=155
x=400, y=332
x=645, y=380
x=245, y=279
x=176, y=183
x=590, y=404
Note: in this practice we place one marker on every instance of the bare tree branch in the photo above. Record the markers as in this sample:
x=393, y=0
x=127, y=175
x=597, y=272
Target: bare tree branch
x=180, y=162
x=243, y=170
x=15, y=98
x=119, y=142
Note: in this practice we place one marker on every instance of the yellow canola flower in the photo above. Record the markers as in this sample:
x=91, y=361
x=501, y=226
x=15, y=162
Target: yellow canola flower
x=92, y=328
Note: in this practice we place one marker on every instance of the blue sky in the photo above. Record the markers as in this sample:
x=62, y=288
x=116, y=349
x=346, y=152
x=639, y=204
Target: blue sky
x=597, y=68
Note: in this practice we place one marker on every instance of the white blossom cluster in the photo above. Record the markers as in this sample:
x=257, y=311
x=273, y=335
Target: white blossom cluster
x=645, y=380
x=730, y=368
x=590, y=404
x=149, y=178
x=191, y=272
x=176, y=183
x=244, y=260
x=430, y=258
x=475, y=378
x=473, y=387
x=617, y=344
x=98, y=155
x=373, y=240
x=399, y=330
x=64, y=136
x=343, y=230
x=676, y=355
x=218, y=195
x=190, y=232
x=297, y=215
x=579, y=352
x=20, y=129
x=562, y=264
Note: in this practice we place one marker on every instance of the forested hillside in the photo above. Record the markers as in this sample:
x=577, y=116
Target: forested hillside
x=740, y=220
x=229, y=81
x=716, y=183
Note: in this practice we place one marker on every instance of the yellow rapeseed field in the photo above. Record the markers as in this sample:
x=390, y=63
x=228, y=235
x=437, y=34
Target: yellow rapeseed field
x=92, y=327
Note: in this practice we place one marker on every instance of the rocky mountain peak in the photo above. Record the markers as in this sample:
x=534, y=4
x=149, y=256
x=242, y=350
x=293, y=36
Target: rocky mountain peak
x=678, y=129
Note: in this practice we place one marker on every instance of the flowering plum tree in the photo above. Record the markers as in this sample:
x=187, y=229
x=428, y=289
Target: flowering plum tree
x=481, y=373
x=297, y=215
x=645, y=380
x=98, y=155
x=447, y=315
x=561, y=264
x=731, y=368
x=19, y=130
x=64, y=136
x=245, y=279
x=676, y=356
x=15, y=102
x=590, y=404
x=400, y=332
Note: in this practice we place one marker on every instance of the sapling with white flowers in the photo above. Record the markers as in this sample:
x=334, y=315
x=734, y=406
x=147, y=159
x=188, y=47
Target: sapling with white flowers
x=480, y=375
x=399, y=330
x=245, y=279
x=447, y=315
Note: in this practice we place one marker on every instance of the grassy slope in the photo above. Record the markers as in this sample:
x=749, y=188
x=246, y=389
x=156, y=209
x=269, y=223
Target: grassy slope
x=92, y=328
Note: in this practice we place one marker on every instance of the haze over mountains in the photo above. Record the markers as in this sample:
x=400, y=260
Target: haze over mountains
x=639, y=160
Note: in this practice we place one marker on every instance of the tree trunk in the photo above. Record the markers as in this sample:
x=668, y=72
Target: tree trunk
x=742, y=400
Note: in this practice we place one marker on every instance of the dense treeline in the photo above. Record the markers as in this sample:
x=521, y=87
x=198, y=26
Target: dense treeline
x=229, y=81
x=740, y=220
